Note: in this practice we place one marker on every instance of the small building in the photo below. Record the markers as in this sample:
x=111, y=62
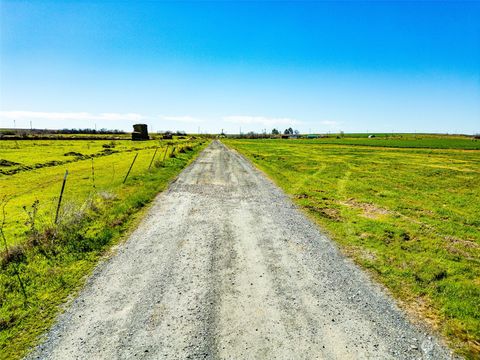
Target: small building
x=140, y=132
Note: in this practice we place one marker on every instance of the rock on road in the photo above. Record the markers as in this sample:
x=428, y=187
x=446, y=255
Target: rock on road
x=224, y=266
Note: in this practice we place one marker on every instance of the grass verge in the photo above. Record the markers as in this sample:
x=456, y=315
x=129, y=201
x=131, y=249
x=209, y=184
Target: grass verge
x=38, y=274
x=409, y=216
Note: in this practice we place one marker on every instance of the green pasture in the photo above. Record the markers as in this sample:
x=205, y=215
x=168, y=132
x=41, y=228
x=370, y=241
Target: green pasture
x=409, y=215
x=43, y=185
x=30, y=154
x=398, y=141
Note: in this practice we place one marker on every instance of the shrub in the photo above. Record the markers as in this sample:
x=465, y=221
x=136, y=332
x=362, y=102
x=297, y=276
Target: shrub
x=15, y=253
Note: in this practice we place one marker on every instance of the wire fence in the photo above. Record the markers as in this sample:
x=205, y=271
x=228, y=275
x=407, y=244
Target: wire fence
x=52, y=189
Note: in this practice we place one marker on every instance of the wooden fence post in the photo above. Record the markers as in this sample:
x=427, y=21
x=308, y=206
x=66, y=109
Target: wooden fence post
x=153, y=157
x=93, y=175
x=130, y=169
x=165, y=154
x=61, y=195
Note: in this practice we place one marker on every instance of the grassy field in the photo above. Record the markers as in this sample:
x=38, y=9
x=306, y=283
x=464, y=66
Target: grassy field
x=18, y=156
x=41, y=262
x=409, y=215
x=403, y=141
x=42, y=165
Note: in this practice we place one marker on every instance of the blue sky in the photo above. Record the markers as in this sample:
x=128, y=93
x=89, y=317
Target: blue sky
x=316, y=66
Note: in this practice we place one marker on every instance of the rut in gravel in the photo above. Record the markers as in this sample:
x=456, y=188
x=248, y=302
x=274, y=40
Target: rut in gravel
x=224, y=266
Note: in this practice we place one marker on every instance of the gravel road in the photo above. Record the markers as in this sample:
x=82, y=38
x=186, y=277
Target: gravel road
x=224, y=266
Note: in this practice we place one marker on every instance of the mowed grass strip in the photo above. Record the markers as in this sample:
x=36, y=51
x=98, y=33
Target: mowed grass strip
x=410, y=216
x=50, y=262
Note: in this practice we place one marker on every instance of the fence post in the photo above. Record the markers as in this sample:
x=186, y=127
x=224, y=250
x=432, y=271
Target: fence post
x=61, y=195
x=130, y=169
x=93, y=175
x=153, y=157
x=165, y=154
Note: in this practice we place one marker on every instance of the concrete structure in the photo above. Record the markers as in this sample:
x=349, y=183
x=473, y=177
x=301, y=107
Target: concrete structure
x=140, y=132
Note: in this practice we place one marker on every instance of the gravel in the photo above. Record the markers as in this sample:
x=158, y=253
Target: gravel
x=224, y=266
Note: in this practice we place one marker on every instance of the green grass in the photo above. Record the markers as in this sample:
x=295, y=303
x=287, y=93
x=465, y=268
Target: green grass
x=32, y=154
x=51, y=260
x=410, y=216
x=43, y=184
x=399, y=141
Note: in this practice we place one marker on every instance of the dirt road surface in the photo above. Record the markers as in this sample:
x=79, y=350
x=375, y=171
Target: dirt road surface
x=224, y=266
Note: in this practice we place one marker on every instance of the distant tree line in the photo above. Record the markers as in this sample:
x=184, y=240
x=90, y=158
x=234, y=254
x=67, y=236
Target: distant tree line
x=288, y=131
x=61, y=131
x=274, y=133
x=169, y=132
x=87, y=131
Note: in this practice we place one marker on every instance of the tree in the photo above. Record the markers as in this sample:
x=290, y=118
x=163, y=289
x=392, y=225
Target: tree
x=288, y=131
x=275, y=132
x=296, y=132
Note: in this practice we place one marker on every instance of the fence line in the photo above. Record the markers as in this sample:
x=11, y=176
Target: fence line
x=97, y=178
x=61, y=196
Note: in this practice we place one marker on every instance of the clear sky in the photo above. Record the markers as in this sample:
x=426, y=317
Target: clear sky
x=399, y=66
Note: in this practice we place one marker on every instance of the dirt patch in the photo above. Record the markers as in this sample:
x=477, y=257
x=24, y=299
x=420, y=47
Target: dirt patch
x=73, y=153
x=460, y=247
x=4, y=162
x=361, y=253
x=368, y=210
x=469, y=244
x=107, y=152
x=329, y=213
x=420, y=310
